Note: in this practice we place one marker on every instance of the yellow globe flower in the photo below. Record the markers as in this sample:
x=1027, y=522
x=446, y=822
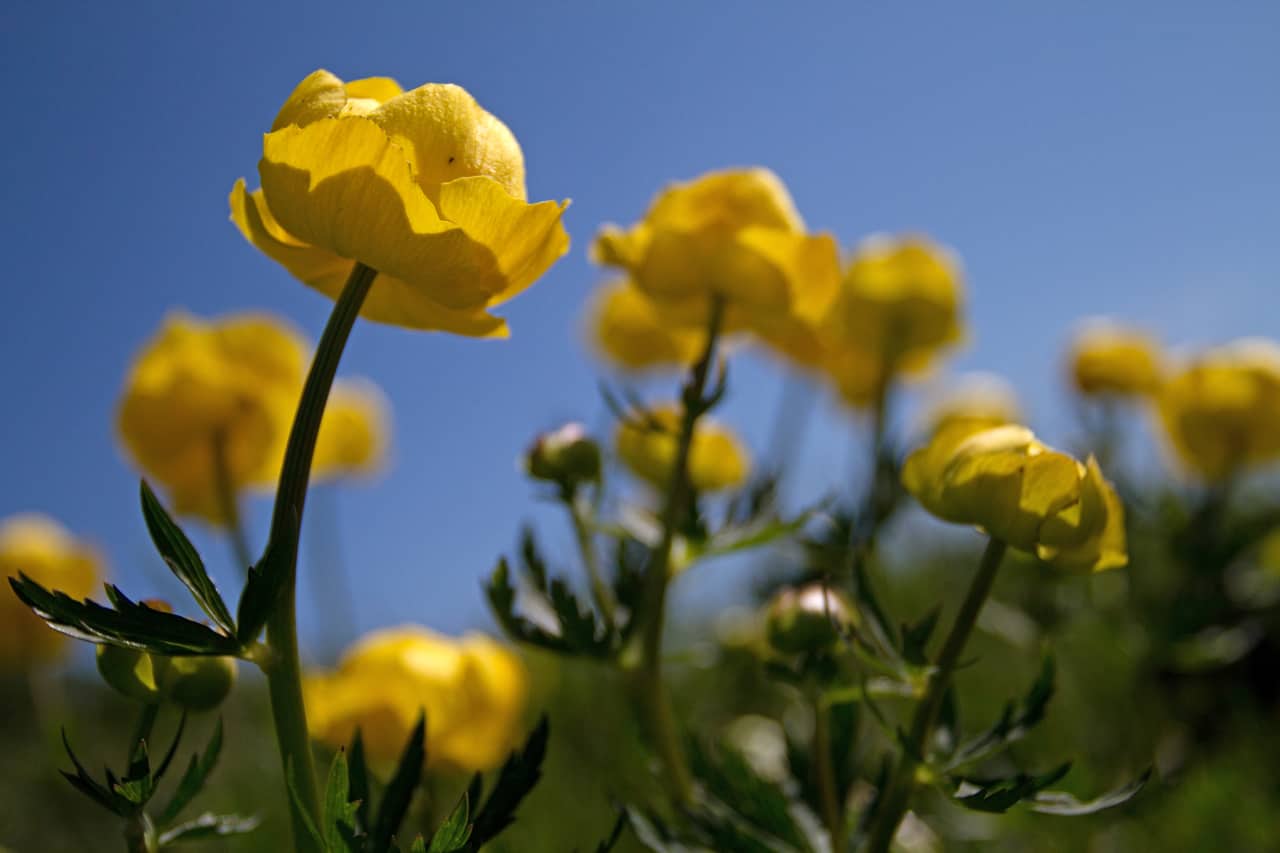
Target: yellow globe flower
x=629, y=330
x=733, y=234
x=42, y=549
x=354, y=433
x=717, y=459
x=1221, y=410
x=473, y=692
x=423, y=186
x=898, y=306
x=1112, y=360
x=198, y=388
x=1021, y=492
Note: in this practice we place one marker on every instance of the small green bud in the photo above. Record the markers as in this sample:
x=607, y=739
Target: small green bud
x=197, y=683
x=131, y=672
x=811, y=618
x=567, y=456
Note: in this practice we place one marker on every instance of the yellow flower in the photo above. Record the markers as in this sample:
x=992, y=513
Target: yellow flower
x=472, y=690
x=1030, y=496
x=980, y=400
x=897, y=308
x=1221, y=410
x=423, y=186
x=733, y=234
x=354, y=433
x=629, y=330
x=197, y=386
x=717, y=459
x=42, y=549
x=1109, y=359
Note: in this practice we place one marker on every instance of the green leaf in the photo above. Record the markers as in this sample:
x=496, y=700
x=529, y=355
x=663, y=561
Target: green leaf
x=262, y=590
x=358, y=774
x=419, y=845
x=128, y=623
x=1062, y=803
x=915, y=638
x=1015, y=721
x=399, y=793
x=535, y=567
x=758, y=801
x=300, y=807
x=208, y=826
x=339, y=812
x=171, y=751
x=453, y=834
x=90, y=787
x=999, y=795
x=516, y=779
x=615, y=834
x=577, y=632
x=181, y=558
x=193, y=780
x=737, y=539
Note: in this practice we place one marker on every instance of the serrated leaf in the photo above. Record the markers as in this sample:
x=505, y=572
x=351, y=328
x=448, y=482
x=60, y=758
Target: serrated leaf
x=194, y=778
x=738, y=539
x=1000, y=795
x=453, y=834
x=535, y=568
x=759, y=802
x=1014, y=722
x=339, y=812
x=183, y=560
x=1064, y=804
x=208, y=826
x=915, y=638
x=92, y=788
x=399, y=792
x=128, y=623
x=519, y=774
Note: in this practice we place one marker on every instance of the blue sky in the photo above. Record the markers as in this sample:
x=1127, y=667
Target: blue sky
x=1082, y=158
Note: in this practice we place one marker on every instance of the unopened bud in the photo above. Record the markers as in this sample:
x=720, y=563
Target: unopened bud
x=197, y=683
x=810, y=618
x=131, y=672
x=567, y=456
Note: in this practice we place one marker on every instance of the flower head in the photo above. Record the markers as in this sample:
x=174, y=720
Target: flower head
x=201, y=388
x=1032, y=497
x=424, y=186
x=1112, y=360
x=629, y=330
x=1221, y=410
x=735, y=235
x=472, y=691
x=42, y=549
x=717, y=458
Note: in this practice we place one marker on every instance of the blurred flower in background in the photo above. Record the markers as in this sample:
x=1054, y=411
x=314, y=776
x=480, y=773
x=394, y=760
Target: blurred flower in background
x=42, y=549
x=1221, y=408
x=423, y=186
x=977, y=400
x=1109, y=359
x=627, y=330
x=472, y=690
x=206, y=402
x=355, y=433
x=647, y=446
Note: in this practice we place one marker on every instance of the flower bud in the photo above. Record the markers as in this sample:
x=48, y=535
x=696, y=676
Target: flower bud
x=131, y=672
x=810, y=618
x=567, y=456
x=197, y=683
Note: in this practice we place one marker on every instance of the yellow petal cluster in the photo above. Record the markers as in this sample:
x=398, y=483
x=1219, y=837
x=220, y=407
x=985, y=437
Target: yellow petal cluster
x=354, y=433
x=424, y=186
x=733, y=234
x=1221, y=409
x=472, y=689
x=898, y=306
x=1107, y=359
x=1032, y=497
x=46, y=552
x=717, y=458
x=199, y=385
x=628, y=330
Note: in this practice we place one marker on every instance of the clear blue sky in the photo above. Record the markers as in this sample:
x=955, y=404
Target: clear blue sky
x=1082, y=158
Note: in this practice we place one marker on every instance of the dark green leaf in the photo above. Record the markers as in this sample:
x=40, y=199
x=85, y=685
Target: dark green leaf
x=453, y=834
x=999, y=795
x=262, y=589
x=419, y=845
x=760, y=802
x=339, y=812
x=181, y=558
x=193, y=780
x=516, y=779
x=915, y=638
x=615, y=834
x=208, y=826
x=399, y=793
x=172, y=751
x=90, y=787
x=737, y=539
x=1015, y=721
x=1062, y=803
x=129, y=623
x=535, y=567
x=358, y=773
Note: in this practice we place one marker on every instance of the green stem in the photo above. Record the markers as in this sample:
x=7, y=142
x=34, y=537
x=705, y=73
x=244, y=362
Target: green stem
x=142, y=730
x=140, y=834
x=652, y=690
x=600, y=591
x=282, y=666
x=825, y=775
x=896, y=797
x=229, y=503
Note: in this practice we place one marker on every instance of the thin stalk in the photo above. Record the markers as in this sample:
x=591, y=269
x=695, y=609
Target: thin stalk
x=600, y=591
x=140, y=834
x=652, y=690
x=142, y=729
x=825, y=775
x=897, y=792
x=282, y=666
x=229, y=503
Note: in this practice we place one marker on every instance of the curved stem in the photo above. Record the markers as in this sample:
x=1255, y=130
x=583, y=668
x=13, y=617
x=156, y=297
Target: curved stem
x=282, y=666
x=229, y=504
x=600, y=591
x=896, y=797
x=653, y=695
